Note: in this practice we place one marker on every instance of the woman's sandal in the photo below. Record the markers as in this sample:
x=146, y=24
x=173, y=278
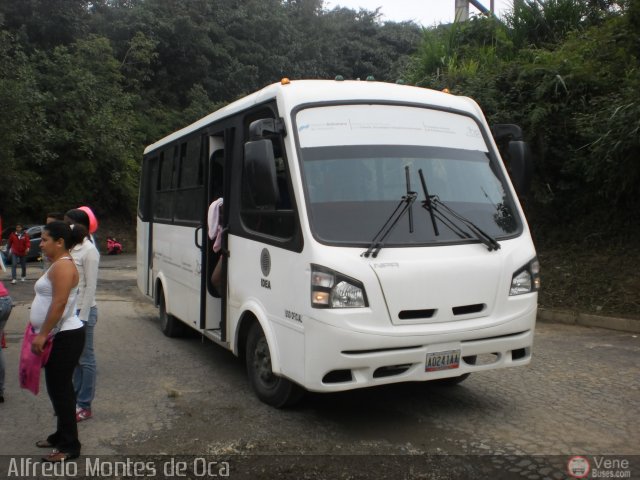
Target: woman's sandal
x=44, y=444
x=57, y=456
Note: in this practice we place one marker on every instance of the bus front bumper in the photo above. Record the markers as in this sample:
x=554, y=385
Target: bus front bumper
x=339, y=359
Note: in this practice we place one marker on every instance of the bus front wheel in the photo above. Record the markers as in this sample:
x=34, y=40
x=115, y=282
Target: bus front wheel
x=270, y=388
x=169, y=324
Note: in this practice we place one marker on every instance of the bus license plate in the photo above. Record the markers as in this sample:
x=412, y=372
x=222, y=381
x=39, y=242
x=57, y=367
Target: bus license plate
x=442, y=361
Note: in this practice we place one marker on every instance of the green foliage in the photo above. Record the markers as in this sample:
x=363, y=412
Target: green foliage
x=84, y=86
x=538, y=24
x=136, y=65
x=45, y=24
x=199, y=105
x=92, y=139
x=568, y=72
x=610, y=156
x=23, y=130
x=457, y=53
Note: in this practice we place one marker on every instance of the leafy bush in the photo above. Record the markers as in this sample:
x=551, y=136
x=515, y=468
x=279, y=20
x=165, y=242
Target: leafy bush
x=569, y=76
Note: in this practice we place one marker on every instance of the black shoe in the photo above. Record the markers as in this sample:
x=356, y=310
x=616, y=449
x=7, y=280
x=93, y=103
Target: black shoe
x=1, y=399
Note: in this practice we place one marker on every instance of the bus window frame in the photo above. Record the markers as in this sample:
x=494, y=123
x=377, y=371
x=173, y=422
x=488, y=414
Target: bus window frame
x=237, y=224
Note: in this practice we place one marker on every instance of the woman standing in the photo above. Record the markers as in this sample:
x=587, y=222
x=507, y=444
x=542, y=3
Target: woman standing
x=87, y=260
x=53, y=312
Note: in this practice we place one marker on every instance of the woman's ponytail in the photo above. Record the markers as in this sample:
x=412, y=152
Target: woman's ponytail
x=78, y=234
x=79, y=221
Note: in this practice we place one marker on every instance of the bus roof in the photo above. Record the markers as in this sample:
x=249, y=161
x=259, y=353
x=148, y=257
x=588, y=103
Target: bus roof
x=298, y=92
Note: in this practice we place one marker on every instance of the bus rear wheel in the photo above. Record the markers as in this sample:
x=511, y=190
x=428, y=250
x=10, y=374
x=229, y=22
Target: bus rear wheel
x=270, y=388
x=169, y=324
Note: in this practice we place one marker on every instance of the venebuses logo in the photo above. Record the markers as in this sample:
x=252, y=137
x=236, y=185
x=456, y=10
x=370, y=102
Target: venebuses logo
x=578, y=467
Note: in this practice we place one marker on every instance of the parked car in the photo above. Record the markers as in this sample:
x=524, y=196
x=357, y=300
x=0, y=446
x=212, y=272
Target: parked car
x=34, y=232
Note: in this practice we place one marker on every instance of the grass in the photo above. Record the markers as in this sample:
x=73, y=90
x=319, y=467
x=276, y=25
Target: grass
x=590, y=264
x=601, y=280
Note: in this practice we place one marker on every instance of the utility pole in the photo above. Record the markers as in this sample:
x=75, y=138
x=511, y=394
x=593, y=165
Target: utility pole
x=462, y=9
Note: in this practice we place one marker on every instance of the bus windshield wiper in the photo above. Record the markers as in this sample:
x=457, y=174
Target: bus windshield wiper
x=441, y=211
x=403, y=206
x=427, y=203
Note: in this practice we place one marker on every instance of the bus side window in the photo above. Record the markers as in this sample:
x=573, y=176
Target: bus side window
x=189, y=195
x=163, y=208
x=284, y=199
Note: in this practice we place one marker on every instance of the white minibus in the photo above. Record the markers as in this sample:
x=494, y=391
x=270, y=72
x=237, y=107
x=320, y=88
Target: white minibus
x=370, y=233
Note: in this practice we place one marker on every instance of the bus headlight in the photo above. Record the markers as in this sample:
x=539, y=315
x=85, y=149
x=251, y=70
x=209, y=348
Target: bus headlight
x=331, y=289
x=526, y=279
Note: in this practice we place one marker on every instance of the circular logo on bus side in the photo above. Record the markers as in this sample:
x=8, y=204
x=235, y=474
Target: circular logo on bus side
x=578, y=467
x=265, y=262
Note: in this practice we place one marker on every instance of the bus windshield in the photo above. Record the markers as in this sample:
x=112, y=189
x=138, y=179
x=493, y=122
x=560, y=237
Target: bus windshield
x=354, y=160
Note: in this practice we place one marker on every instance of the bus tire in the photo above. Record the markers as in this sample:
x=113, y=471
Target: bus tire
x=451, y=381
x=270, y=388
x=169, y=324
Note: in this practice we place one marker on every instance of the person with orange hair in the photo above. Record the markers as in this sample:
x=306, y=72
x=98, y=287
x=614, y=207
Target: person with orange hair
x=87, y=260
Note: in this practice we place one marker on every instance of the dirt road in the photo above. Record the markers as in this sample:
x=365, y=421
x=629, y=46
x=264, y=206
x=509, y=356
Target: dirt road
x=162, y=400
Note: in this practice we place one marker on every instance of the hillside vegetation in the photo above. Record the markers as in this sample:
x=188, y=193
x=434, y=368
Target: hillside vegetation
x=85, y=85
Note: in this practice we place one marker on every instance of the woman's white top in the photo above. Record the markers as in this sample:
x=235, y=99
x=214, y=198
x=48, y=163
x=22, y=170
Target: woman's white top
x=87, y=260
x=42, y=303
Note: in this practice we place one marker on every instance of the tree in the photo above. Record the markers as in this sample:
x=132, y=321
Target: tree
x=46, y=23
x=568, y=73
x=23, y=129
x=94, y=153
x=87, y=84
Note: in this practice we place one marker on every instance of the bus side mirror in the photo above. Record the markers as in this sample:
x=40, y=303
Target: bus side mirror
x=516, y=155
x=521, y=163
x=260, y=171
x=266, y=127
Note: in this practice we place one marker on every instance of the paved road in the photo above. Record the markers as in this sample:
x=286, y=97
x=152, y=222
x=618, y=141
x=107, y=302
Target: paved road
x=161, y=396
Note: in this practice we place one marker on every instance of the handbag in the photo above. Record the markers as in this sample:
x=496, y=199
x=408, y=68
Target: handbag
x=31, y=363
